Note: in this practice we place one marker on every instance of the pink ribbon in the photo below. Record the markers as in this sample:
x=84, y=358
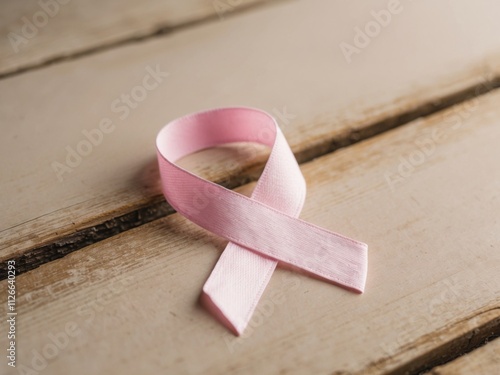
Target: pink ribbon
x=262, y=229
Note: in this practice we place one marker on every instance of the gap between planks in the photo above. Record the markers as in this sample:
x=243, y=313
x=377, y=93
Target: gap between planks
x=483, y=360
x=158, y=208
x=487, y=328
x=160, y=31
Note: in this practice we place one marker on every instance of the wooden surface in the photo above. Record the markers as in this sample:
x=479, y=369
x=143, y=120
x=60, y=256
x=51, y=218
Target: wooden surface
x=78, y=26
x=433, y=281
x=400, y=75
x=389, y=159
x=485, y=360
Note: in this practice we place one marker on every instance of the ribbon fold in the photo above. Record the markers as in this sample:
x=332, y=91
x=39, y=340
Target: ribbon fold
x=262, y=229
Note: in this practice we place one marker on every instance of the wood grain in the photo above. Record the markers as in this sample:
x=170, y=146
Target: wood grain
x=425, y=197
x=284, y=58
x=76, y=27
x=485, y=360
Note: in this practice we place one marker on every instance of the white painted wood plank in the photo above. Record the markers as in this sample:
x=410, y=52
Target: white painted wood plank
x=36, y=32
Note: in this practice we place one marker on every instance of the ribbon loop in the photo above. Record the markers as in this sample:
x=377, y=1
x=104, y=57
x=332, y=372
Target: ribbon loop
x=262, y=229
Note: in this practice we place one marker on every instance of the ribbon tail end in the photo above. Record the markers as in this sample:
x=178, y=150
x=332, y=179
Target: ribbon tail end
x=361, y=284
x=219, y=314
